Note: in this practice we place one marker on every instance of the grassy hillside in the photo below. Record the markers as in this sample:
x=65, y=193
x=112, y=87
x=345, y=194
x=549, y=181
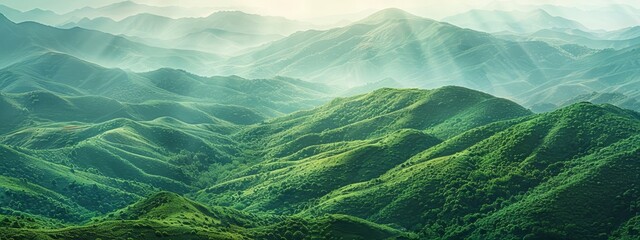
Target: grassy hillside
x=73, y=127
x=537, y=165
x=445, y=163
x=170, y=216
x=442, y=112
x=311, y=153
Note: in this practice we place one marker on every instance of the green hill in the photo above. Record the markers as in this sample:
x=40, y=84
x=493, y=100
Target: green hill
x=442, y=112
x=446, y=163
x=69, y=76
x=496, y=185
x=170, y=216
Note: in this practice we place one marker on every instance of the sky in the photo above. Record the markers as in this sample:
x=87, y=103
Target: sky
x=310, y=9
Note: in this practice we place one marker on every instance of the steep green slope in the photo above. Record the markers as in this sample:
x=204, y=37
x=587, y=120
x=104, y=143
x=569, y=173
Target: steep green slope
x=442, y=112
x=172, y=208
x=291, y=185
x=446, y=163
x=73, y=195
x=495, y=181
x=308, y=154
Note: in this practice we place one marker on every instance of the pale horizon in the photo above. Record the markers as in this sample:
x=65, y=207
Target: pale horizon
x=309, y=9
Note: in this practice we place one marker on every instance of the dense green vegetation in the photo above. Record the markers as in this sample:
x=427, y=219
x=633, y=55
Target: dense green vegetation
x=103, y=137
x=445, y=163
x=168, y=216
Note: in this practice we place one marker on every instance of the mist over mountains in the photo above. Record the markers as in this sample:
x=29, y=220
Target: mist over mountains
x=144, y=121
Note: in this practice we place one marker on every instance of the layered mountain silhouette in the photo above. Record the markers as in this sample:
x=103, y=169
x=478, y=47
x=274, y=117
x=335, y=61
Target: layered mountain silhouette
x=30, y=39
x=224, y=32
x=407, y=48
x=419, y=52
x=149, y=25
x=116, y=11
x=516, y=22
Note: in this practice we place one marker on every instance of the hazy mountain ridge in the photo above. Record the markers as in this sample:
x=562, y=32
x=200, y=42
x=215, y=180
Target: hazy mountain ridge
x=115, y=11
x=517, y=22
x=418, y=52
x=66, y=75
x=31, y=39
x=224, y=32
x=149, y=25
x=415, y=43
x=413, y=51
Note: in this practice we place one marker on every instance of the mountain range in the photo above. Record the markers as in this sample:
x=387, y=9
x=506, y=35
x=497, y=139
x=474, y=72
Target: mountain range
x=27, y=40
x=493, y=21
x=226, y=32
x=391, y=44
x=155, y=26
x=419, y=52
x=132, y=124
x=116, y=11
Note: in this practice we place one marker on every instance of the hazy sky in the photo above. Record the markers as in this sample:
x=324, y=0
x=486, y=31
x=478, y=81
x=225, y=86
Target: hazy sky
x=305, y=9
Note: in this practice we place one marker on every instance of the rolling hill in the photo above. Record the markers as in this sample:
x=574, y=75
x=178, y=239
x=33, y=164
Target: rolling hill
x=607, y=71
x=73, y=127
x=66, y=75
x=501, y=175
x=459, y=188
x=445, y=163
x=168, y=216
x=104, y=137
x=25, y=40
x=308, y=154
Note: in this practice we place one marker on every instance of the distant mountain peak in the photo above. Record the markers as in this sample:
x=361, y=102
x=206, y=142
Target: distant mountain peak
x=540, y=13
x=125, y=4
x=389, y=14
